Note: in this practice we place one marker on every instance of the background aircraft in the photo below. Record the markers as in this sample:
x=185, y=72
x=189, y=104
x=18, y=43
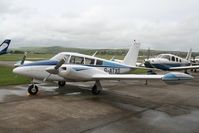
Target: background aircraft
x=75, y=67
x=4, y=46
x=170, y=62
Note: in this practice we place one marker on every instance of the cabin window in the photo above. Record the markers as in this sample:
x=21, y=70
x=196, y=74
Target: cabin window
x=76, y=60
x=99, y=62
x=176, y=59
x=173, y=58
x=89, y=61
x=180, y=60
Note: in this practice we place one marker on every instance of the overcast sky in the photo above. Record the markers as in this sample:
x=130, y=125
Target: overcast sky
x=158, y=24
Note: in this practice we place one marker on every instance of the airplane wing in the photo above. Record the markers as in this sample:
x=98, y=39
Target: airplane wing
x=125, y=77
x=185, y=67
x=169, y=78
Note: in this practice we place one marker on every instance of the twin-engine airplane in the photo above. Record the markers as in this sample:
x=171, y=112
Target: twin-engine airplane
x=170, y=62
x=4, y=46
x=75, y=67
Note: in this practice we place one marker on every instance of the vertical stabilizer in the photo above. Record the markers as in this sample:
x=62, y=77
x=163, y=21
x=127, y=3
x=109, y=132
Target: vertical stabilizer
x=132, y=55
x=4, y=46
x=189, y=55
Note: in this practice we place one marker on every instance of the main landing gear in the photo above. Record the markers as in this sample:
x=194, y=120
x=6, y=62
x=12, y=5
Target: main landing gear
x=33, y=89
x=96, y=89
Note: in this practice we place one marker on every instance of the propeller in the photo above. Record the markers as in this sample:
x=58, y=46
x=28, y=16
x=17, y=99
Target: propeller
x=24, y=58
x=54, y=70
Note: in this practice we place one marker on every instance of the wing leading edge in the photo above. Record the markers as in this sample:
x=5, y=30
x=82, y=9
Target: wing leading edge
x=126, y=77
x=184, y=67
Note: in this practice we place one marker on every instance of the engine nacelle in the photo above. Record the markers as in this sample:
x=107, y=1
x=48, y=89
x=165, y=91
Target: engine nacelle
x=80, y=73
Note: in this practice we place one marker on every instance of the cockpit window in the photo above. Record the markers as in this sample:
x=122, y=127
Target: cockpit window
x=166, y=57
x=76, y=60
x=89, y=61
x=176, y=59
x=59, y=57
x=159, y=56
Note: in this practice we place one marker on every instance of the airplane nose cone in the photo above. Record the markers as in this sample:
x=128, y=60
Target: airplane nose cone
x=17, y=70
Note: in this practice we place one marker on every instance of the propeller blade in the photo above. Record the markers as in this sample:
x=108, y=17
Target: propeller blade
x=54, y=70
x=60, y=63
x=24, y=58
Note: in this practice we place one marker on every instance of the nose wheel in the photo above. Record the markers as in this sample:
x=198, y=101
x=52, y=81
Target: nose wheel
x=32, y=89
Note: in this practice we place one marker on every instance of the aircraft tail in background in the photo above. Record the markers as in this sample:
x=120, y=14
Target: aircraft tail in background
x=132, y=55
x=4, y=46
x=189, y=55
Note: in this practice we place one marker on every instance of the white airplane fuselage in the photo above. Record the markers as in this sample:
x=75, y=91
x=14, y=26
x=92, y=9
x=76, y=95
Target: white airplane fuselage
x=77, y=67
x=166, y=62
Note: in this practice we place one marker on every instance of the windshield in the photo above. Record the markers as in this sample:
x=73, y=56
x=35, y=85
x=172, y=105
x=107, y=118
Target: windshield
x=58, y=57
x=159, y=56
x=163, y=56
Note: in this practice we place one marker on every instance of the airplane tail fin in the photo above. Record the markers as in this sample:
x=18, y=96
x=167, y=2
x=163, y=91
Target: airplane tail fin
x=189, y=55
x=4, y=46
x=132, y=55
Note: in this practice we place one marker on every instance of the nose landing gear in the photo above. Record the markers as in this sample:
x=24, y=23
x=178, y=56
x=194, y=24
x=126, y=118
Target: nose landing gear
x=61, y=83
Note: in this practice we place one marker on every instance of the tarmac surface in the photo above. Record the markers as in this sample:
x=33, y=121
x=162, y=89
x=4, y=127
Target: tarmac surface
x=123, y=107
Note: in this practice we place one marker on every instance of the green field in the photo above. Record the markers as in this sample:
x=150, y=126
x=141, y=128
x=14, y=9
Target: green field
x=17, y=57
x=7, y=77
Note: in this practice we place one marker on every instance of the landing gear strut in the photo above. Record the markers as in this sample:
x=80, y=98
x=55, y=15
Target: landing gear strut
x=186, y=72
x=61, y=83
x=32, y=89
x=96, y=89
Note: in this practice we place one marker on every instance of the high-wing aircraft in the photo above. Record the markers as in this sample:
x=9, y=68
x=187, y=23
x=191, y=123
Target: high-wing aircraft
x=170, y=62
x=75, y=67
x=4, y=46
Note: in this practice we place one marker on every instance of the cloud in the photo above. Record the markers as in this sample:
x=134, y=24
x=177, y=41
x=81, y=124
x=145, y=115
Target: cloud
x=171, y=25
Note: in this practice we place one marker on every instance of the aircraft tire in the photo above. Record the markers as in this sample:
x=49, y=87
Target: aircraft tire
x=95, y=91
x=32, y=89
x=61, y=83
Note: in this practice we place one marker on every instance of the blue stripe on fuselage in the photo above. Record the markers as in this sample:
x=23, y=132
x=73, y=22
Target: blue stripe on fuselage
x=113, y=64
x=42, y=63
x=53, y=62
x=167, y=66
